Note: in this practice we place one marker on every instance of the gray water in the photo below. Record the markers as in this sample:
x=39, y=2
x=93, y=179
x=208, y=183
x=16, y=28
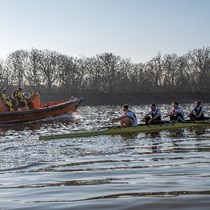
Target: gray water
x=165, y=170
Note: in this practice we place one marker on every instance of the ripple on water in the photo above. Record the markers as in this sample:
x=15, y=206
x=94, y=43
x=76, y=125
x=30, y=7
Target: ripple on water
x=166, y=170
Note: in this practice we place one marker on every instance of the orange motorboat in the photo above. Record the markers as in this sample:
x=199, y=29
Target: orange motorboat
x=38, y=110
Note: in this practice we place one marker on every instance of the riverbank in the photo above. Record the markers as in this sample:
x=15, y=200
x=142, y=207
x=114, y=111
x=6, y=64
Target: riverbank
x=95, y=99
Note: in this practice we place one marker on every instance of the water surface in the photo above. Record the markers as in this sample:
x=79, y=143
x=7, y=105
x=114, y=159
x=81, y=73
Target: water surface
x=165, y=170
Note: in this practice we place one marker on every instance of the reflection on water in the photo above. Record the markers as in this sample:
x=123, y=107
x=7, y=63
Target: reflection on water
x=164, y=170
x=199, y=131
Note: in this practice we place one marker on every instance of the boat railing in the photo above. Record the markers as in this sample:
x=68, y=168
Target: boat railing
x=53, y=103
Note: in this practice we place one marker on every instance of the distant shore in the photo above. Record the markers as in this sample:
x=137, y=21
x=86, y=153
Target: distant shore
x=94, y=99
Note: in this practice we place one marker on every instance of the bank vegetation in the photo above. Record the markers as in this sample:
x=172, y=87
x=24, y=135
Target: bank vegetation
x=55, y=74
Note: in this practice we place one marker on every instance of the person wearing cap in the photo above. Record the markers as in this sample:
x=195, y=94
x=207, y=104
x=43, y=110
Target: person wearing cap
x=128, y=119
x=153, y=116
x=197, y=113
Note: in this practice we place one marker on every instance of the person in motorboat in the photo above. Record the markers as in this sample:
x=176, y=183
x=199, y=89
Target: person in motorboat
x=21, y=99
x=153, y=116
x=176, y=113
x=128, y=119
x=14, y=100
x=6, y=100
x=197, y=113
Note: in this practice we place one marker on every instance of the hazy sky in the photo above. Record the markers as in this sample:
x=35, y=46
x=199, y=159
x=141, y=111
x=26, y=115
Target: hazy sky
x=135, y=29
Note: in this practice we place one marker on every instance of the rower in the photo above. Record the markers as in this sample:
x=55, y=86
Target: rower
x=153, y=116
x=128, y=119
x=176, y=113
x=197, y=112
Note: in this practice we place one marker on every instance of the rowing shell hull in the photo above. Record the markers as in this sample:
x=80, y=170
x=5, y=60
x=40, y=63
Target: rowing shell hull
x=42, y=113
x=119, y=130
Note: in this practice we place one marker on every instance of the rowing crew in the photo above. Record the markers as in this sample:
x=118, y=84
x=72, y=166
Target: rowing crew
x=154, y=116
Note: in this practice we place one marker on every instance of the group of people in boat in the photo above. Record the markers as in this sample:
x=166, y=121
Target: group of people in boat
x=17, y=101
x=154, y=116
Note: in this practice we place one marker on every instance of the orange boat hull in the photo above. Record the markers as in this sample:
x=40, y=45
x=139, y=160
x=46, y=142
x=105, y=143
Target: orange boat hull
x=42, y=113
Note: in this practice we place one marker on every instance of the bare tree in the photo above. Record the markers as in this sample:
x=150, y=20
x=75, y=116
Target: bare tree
x=182, y=80
x=93, y=74
x=123, y=76
x=106, y=73
x=33, y=71
x=198, y=64
x=68, y=73
x=109, y=65
x=138, y=80
x=49, y=64
x=5, y=75
x=153, y=74
x=171, y=72
x=18, y=62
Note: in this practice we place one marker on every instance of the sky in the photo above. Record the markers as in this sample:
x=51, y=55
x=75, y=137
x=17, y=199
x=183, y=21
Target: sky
x=134, y=29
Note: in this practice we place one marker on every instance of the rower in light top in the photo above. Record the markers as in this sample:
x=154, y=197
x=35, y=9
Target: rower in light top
x=198, y=112
x=153, y=116
x=176, y=114
x=128, y=119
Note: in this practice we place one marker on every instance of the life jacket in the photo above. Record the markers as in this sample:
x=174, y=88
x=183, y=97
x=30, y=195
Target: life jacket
x=5, y=97
x=7, y=101
x=20, y=96
x=21, y=99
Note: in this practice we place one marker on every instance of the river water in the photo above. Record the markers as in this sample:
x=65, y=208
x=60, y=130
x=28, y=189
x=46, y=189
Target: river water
x=161, y=171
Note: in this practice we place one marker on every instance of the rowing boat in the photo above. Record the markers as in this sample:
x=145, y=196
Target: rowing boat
x=120, y=130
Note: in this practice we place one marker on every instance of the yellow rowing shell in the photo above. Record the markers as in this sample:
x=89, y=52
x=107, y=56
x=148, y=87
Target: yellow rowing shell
x=119, y=130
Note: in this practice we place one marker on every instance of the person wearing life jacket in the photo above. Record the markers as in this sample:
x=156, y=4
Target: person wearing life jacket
x=6, y=100
x=153, y=116
x=128, y=119
x=176, y=113
x=21, y=100
x=14, y=100
x=197, y=112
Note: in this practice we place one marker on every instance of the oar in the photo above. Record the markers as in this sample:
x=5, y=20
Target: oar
x=108, y=127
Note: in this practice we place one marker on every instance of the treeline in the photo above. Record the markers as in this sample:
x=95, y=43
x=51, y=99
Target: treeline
x=50, y=71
